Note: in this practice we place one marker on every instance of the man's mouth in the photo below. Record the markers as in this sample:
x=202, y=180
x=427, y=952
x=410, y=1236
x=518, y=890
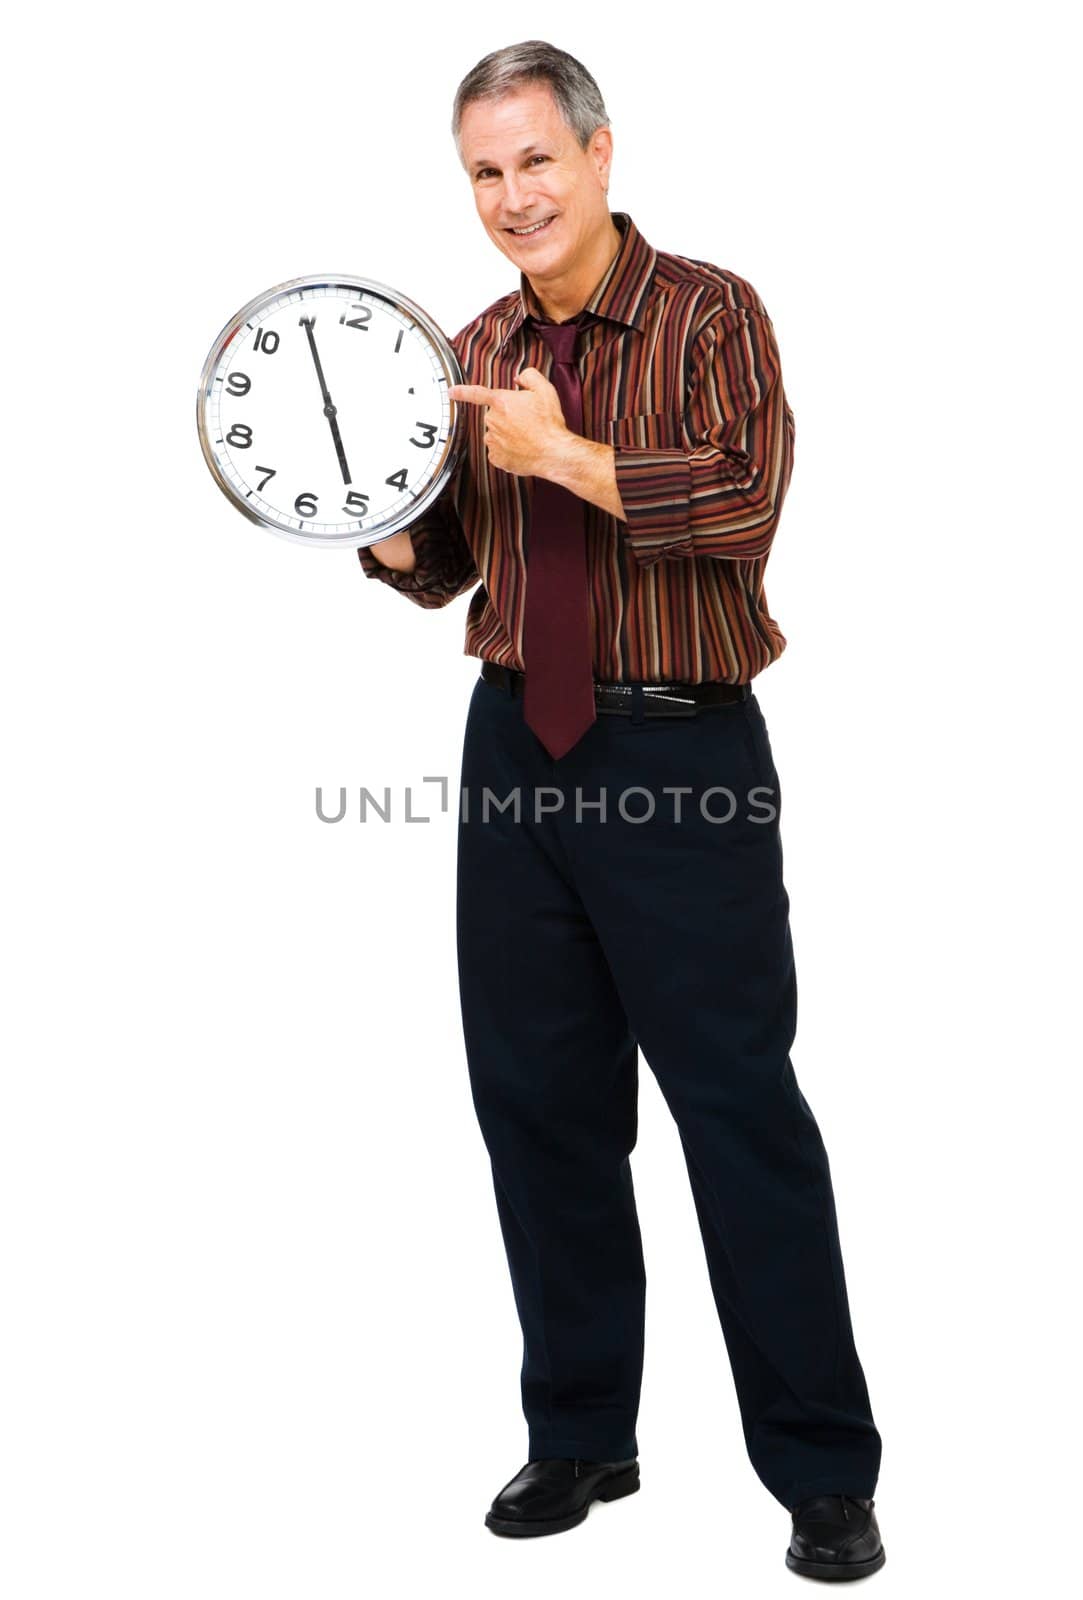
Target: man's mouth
x=531, y=228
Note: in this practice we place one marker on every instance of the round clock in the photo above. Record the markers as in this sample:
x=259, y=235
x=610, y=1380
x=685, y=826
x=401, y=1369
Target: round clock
x=323, y=410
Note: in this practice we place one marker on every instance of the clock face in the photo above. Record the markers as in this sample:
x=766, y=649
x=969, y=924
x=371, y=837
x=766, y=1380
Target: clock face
x=323, y=410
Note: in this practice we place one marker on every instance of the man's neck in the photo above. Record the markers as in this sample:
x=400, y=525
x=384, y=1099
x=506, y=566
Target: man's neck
x=564, y=299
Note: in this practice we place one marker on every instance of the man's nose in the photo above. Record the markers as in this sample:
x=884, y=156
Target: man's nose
x=518, y=193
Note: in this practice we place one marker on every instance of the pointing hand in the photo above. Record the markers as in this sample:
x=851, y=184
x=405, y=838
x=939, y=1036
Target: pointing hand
x=525, y=427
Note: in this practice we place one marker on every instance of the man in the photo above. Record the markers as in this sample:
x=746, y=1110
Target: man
x=619, y=860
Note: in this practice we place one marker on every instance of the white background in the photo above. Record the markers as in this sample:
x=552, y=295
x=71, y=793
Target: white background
x=258, y=1336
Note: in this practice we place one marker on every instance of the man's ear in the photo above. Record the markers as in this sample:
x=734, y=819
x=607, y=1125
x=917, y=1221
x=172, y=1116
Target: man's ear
x=602, y=151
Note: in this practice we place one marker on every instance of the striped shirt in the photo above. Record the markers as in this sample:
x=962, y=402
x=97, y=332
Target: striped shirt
x=681, y=375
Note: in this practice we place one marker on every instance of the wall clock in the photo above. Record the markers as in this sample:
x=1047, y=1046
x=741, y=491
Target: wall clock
x=323, y=410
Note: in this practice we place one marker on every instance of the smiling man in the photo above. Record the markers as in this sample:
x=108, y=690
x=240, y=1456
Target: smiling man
x=629, y=448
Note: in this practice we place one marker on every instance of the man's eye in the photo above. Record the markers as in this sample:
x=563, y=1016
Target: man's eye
x=485, y=171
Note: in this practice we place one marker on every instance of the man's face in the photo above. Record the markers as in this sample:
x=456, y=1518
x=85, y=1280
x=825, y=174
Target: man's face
x=525, y=165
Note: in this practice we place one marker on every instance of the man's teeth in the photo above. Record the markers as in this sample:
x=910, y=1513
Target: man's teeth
x=521, y=232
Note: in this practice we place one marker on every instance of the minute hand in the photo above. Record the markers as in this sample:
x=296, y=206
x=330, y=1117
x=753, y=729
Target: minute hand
x=329, y=410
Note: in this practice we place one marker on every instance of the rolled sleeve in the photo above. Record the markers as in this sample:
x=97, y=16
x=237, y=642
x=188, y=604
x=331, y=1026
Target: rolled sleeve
x=723, y=498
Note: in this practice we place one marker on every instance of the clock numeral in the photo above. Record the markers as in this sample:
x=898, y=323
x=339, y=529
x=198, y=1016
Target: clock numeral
x=397, y=480
x=398, y=343
x=430, y=429
x=240, y=436
x=355, y=501
x=238, y=383
x=266, y=340
x=358, y=322
x=305, y=505
x=270, y=471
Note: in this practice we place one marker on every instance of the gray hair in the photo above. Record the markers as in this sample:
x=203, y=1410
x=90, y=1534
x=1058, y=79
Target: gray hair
x=578, y=98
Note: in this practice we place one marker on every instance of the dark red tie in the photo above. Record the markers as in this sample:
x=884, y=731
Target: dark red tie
x=558, y=697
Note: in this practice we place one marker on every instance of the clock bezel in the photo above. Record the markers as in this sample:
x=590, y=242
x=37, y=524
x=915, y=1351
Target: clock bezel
x=453, y=447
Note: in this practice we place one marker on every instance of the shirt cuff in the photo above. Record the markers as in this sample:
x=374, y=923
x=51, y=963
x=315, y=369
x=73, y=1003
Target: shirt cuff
x=655, y=488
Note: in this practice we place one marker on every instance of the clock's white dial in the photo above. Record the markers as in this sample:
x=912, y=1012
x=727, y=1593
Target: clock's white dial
x=323, y=410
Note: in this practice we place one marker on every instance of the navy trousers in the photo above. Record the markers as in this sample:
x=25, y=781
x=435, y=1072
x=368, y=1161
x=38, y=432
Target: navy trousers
x=629, y=897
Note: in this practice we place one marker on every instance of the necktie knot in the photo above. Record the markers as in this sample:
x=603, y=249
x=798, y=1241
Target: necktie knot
x=561, y=338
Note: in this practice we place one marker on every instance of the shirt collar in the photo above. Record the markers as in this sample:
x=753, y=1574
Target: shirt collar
x=621, y=296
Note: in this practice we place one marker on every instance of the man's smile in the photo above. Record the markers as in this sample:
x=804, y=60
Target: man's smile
x=531, y=228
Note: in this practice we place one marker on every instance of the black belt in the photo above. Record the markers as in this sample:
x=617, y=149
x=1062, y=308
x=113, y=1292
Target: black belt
x=657, y=699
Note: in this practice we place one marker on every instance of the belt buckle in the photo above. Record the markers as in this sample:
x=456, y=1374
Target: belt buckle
x=674, y=703
x=603, y=691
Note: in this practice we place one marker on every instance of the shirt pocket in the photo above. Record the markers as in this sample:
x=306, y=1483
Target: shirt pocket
x=649, y=430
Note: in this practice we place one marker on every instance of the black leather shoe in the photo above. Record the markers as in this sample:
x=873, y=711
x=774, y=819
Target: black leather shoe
x=835, y=1537
x=551, y=1495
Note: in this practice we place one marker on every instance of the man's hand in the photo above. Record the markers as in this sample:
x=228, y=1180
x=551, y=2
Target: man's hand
x=525, y=430
x=525, y=433
x=396, y=552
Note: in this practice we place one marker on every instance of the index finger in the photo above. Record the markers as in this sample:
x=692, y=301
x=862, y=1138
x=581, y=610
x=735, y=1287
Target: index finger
x=475, y=392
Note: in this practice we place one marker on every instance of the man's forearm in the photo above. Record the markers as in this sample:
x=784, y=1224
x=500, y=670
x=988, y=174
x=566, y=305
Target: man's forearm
x=587, y=469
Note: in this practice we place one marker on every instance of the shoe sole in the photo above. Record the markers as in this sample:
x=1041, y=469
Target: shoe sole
x=836, y=1571
x=614, y=1488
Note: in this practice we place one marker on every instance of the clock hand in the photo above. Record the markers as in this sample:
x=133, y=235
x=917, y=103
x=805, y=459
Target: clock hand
x=329, y=409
